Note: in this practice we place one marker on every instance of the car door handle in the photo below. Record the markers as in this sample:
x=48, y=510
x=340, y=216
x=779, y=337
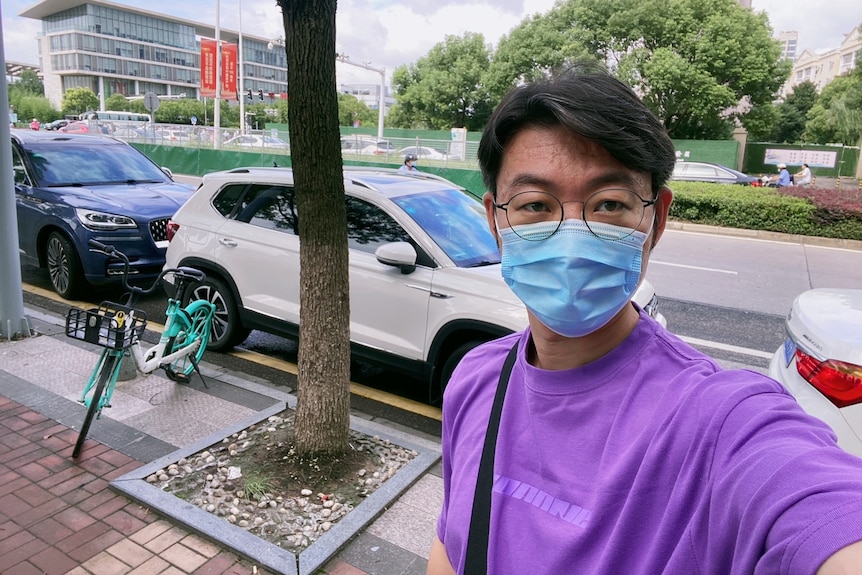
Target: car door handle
x=227, y=242
x=432, y=293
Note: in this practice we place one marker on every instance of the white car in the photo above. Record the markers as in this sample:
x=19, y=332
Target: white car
x=424, y=153
x=366, y=145
x=425, y=282
x=257, y=141
x=820, y=362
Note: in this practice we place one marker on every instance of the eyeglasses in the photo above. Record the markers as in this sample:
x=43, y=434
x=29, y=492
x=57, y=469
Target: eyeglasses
x=617, y=207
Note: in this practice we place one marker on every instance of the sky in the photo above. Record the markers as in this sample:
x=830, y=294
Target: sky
x=389, y=33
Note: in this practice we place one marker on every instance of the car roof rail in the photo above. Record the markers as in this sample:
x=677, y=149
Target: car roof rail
x=396, y=172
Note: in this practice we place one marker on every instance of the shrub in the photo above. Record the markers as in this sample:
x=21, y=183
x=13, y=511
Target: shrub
x=805, y=211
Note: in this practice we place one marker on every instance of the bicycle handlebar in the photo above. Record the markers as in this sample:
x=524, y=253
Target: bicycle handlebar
x=112, y=252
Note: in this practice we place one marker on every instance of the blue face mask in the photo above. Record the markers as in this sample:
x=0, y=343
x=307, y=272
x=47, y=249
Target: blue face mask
x=573, y=281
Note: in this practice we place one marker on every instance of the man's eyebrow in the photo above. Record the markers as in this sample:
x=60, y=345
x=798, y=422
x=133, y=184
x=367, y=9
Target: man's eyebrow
x=612, y=178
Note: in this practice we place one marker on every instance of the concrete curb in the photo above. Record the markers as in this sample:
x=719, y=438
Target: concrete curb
x=766, y=235
x=265, y=554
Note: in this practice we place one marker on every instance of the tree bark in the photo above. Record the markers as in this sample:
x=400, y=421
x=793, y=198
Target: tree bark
x=322, y=421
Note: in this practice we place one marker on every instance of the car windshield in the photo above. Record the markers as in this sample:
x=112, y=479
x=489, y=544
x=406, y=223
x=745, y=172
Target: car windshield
x=456, y=222
x=82, y=163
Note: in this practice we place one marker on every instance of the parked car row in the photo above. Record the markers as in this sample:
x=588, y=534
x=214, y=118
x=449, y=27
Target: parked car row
x=240, y=227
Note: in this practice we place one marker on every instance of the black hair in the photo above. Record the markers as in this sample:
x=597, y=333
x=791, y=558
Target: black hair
x=588, y=102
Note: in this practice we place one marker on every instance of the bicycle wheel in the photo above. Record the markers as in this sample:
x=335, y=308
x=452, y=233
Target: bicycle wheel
x=200, y=318
x=108, y=368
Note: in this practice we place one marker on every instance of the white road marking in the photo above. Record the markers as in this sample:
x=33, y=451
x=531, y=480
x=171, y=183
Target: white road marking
x=726, y=347
x=718, y=271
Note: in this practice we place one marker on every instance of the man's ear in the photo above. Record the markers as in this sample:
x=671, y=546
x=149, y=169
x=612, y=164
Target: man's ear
x=662, y=210
x=490, y=212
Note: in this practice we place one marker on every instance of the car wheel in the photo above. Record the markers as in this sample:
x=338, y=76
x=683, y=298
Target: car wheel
x=64, y=266
x=227, y=329
x=436, y=395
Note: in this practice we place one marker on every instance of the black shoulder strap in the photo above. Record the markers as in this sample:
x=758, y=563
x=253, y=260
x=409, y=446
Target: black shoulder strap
x=480, y=522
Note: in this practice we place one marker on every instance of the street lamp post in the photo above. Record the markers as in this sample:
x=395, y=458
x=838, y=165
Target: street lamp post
x=217, y=107
x=382, y=101
x=241, y=89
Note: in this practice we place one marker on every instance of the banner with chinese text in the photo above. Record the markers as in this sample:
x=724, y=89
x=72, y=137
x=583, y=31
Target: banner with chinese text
x=209, y=58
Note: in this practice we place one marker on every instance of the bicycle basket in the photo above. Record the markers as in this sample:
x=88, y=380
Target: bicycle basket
x=110, y=325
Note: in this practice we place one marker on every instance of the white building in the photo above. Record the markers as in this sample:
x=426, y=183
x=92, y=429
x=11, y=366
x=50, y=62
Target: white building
x=824, y=67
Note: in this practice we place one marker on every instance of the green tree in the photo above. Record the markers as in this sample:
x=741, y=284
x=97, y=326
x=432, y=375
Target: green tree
x=700, y=65
x=835, y=116
x=792, y=113
x=117, y=101
x=444, y=89
x=350, y=109
x=537, y=47
x=322, y=422
x=79, y=100
x=30, y=106
x=30, y=83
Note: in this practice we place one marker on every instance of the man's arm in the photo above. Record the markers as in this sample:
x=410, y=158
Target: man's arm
x=438, y=560
x=846, y=561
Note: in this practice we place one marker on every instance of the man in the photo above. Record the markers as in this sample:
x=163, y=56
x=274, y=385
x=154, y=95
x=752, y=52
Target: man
x=409, y=165
x=619, y=449
x=803, y=177
x=783, y=177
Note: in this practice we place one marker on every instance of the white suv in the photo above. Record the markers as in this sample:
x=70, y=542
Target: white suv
x=425, y=283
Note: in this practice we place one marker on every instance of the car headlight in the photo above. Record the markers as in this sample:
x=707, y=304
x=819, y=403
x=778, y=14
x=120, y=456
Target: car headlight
x=102, y=221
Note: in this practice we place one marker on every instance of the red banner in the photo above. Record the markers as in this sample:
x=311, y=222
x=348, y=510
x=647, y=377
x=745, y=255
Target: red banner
x=228, y=71
x=208, y=68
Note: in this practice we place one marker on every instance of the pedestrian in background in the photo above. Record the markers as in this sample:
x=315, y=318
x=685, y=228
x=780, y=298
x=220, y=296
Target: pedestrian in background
x=409, y=165
x=595, y=441
x=34, y=125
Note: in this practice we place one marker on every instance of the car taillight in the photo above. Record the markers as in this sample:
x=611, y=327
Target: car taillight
x=172, y=229
x=839, y=381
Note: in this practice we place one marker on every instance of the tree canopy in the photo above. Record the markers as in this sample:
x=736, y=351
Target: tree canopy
x=444, y=89
x=79, y=100
x=792, y=113
x=700, y=65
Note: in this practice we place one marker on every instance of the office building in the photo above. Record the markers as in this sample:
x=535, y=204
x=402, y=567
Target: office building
x=789, y=42
x=111, y=48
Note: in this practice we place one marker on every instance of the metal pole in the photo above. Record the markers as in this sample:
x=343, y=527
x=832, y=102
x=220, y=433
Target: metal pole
x=13, y=322
x=217, y=108
x=382, y=103
x=241, y=83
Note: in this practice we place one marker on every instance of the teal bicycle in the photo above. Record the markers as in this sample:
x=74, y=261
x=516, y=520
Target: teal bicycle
x=118, y=329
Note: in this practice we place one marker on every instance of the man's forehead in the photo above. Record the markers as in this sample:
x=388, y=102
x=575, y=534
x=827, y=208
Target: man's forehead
x=552, y=157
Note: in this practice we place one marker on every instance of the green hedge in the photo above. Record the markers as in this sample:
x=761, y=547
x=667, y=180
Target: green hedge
x=758, y=209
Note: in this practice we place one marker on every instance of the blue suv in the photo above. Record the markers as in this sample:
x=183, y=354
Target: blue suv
x=70, y=188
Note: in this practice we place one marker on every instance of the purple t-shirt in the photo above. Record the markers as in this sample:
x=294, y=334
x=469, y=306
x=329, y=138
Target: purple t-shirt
x=651, y=459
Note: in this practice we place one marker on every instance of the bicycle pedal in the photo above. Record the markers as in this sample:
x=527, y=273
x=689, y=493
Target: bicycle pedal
x=182, y=378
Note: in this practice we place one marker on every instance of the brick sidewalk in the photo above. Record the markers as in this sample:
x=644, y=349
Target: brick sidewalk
x=58, y=515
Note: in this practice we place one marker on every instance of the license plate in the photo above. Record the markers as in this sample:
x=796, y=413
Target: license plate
x=789, y=351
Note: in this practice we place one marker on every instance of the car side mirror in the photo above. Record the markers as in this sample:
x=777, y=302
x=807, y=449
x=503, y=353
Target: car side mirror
x=398, y=254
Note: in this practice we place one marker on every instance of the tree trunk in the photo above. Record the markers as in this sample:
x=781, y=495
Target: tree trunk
x=322, y=422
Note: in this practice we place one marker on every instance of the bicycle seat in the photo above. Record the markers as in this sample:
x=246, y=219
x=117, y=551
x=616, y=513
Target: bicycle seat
x=186, y=273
